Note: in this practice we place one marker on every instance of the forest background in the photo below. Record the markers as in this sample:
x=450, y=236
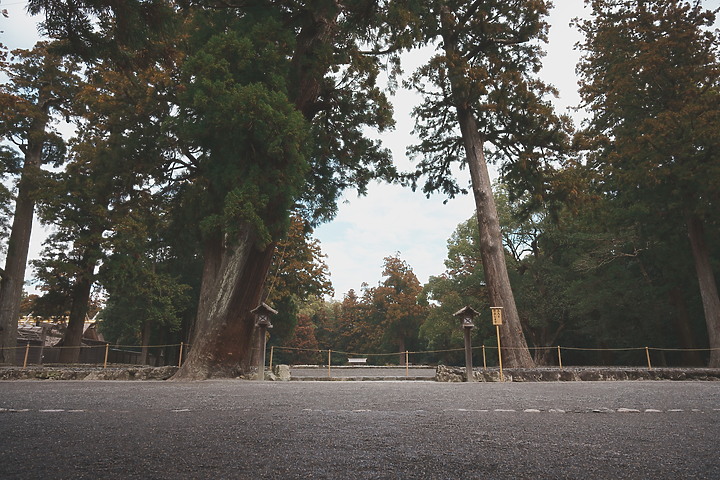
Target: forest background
x=587, y=271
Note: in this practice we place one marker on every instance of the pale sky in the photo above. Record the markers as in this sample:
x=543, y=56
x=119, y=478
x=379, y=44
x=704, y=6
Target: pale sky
x=390, y=218
x=393, y=219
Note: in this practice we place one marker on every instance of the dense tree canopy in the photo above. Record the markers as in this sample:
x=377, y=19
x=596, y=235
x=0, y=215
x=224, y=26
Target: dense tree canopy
x=650, y=78
x=210, y=138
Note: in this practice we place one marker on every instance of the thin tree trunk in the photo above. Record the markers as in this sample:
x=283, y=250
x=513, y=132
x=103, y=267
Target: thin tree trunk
x=147, y=331
x=13, y=277
x=708, y=287
x=72, y=339
x=515, y=351
x=682, y=321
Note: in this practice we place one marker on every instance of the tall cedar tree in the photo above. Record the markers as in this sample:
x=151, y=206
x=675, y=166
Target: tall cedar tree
x=485, y=74
x=39, y=86
x=273, y=100
x=108, y=184
x=649, y=76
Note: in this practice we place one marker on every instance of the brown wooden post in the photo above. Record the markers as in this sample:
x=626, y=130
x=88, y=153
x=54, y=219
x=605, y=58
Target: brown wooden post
x=407, y=363
x=27, y=352
x=261, y=346
x=468, y=355
x=329, y=360
x=182, y=344
x=559, y=358
x=466, y=315
x=107, y=350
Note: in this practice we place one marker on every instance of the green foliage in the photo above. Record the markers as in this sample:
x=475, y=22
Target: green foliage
x=462, y=284
x=649, y=77
x=491, y=55
x=139, y=295
x=250, y=141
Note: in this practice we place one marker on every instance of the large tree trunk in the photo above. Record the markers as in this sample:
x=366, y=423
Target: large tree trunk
x=13, y=276
x=708, y=287
x=70, y=352
x=234, y=274
x=232, y=285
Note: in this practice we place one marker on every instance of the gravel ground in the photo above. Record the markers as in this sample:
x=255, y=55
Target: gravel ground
x=359, y=430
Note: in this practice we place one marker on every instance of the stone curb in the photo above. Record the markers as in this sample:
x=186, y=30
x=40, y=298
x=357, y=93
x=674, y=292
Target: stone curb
x=87, y=373
x=443, y=374
x=576, y=374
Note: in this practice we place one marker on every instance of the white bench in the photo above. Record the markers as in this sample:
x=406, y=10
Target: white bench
x=357, y=361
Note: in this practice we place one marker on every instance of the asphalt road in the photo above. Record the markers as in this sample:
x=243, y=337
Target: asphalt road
x=348, y=430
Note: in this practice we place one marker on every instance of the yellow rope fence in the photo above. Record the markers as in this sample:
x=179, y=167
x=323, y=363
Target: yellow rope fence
x=182, y=349
x=557, y=348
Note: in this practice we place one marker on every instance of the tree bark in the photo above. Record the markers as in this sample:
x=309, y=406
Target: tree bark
x=515, y=351
x=70, y=352
x=11, y=285
x=232, y=285
x=146, y=332
x=234, y=273
x=691, y=357
x=708, y=287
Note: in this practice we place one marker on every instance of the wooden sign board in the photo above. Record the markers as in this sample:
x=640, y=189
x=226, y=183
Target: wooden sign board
x=496, y=315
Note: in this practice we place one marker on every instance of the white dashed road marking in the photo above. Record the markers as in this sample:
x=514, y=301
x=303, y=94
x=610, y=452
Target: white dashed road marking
x=362, y=410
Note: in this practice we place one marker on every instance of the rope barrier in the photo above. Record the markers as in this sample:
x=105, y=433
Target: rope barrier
x=659, y=349
x=184, y=346
x=585, y=349
x=60, y=347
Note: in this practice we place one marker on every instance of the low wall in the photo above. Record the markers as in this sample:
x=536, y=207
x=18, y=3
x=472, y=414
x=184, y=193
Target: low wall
x=574, y=374
x=90, y=372
x=442, y=373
